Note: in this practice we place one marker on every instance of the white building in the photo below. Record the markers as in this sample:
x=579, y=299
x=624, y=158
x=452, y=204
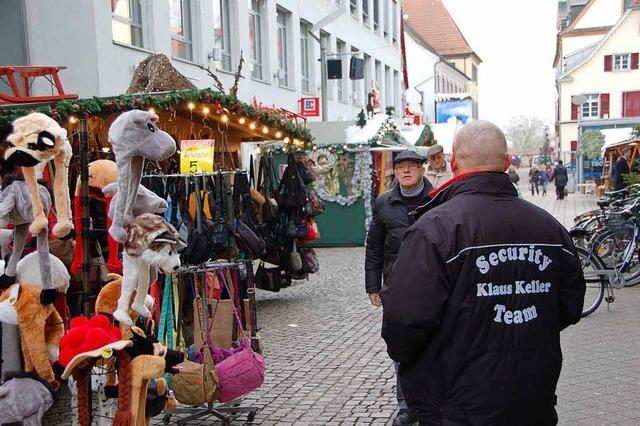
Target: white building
x=101, y=42
x=431, y=77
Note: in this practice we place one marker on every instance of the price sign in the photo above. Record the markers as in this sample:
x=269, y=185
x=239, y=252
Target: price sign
x=196, y=156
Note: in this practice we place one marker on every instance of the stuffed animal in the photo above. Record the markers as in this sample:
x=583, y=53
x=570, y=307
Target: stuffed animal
x=107, y=302
x=40, y=328
x=16, y=208
x=24, y=398
x=28, y=271
x=134, y=136
x=152, y=243
x=38, y=139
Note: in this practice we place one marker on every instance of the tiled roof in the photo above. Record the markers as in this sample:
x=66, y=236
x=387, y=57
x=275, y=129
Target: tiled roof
x=431, y=20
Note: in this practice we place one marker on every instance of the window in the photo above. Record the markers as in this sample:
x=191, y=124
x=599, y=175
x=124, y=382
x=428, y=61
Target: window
x=621, y=62
x=126, y=22
x=283, y=51
x=305, y=57
x=342, y=48
x=394, y=21
x=474, y=73
x=355, y=92
x=180, y=26
x=385, y=18
x=591, y=108
x=367, y=77
x=325, y=43
x=353, y=7
x=255, y=38
x=365, y=11
x=631, y=104
x=222, y=32
x=388, y=87
x=376, y=14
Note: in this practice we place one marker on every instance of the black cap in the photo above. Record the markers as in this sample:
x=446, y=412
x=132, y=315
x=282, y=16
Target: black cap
x=408, y=155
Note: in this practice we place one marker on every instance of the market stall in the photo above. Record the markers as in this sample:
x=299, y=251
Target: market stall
x=158, y=196
x=610, y=152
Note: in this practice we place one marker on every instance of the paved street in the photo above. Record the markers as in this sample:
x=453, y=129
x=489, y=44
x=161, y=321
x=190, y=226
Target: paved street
x=326, y=363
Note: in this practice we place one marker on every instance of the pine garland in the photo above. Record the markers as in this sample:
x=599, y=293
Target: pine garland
x=62, y=110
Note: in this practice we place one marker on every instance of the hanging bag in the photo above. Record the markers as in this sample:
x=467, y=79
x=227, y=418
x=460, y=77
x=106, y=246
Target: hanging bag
x=241, y=372
x=198, y=248
x=247, y=229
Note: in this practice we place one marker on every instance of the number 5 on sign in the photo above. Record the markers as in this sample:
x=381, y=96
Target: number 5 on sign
x=196, y=156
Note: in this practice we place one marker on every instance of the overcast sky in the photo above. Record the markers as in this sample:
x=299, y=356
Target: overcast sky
x=516, y=41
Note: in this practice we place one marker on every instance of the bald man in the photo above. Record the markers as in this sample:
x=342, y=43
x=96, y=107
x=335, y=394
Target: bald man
x=483, y=284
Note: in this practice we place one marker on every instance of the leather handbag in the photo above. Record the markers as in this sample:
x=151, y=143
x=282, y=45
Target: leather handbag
x=199, y=246
x=310, y=264
x=269, y=279
x=247, y=229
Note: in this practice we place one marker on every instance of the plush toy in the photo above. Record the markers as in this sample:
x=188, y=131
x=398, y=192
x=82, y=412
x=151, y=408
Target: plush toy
x=24, y=398
x=107, y=302
x=134, y=136
x=40, y=328
x=16, y=209
x=152, y=243
x=38, y=139
x=28, y=271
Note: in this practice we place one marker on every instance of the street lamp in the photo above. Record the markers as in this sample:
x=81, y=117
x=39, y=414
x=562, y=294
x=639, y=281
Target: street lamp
x=579, y=100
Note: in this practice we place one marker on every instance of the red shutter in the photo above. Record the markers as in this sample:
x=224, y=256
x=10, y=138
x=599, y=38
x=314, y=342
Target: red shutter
x=607, y=62
x=574, y=145
x=604, y=105
x=574, y=111
x=631, y=104
x=634, y=60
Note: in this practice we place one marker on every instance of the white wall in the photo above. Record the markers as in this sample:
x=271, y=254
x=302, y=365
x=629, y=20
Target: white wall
x=420, y=67
x=100, y=67
x=601, y=13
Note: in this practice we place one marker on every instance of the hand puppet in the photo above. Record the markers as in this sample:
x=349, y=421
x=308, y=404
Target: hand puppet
x=152, y=243
x=40, y=328
x=35, y=139
x=134, y=137
x=24, y=398
x=28, y=271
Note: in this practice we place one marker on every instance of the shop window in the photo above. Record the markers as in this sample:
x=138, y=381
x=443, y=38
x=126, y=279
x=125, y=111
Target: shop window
x=180, y=26
x=255, y=38
x=126, y=22
x=222, y=32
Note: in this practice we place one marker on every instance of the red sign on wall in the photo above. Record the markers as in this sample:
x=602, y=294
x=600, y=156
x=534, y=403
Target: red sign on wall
x=310, y=107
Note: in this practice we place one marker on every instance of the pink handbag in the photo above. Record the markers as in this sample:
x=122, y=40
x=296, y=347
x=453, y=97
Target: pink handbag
x=241, y=372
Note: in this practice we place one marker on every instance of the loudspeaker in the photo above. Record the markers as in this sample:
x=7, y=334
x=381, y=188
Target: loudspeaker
x=334, y=69
x=356, y=69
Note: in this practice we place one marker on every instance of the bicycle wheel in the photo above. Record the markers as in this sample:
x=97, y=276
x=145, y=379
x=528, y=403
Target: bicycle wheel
x=611, y=247
x=595, y=283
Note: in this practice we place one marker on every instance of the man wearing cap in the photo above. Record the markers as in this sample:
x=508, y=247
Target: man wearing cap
x=388, y=225
x=438, y=171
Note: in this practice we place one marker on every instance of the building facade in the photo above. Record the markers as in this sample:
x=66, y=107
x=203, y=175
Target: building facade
x=101, y=42
x=597, y=59
x=431, y=77
x=431, y=23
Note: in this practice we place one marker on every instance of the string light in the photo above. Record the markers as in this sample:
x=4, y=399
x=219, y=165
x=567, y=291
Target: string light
x=315, y=148
x=178, y=152
x=242, y=120
x=278, y=134
x=73, y=120
x=330, y=148
x=224, y=118
x=345, y=146
x=252, y=126
x=205, y=110
x=265, y=129
x=191, y=105
x=286, y=140
x=151, y=111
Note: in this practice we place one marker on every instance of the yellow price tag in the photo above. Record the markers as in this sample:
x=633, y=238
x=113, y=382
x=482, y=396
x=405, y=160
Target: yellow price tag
x=196, y=156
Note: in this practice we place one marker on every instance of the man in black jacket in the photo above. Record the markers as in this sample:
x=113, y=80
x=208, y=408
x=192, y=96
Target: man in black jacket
x=483, y=284
x=561, y=177
x=388, y=225
x=621, y=168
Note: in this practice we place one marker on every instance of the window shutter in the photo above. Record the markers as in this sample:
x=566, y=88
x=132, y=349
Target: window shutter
x=574, y=111
x=607, y=62
x=604, y=105
x=634, y=60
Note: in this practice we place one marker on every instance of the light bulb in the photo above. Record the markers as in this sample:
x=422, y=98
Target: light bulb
x=151, y=111
x=242, y=120
x=205, y=110
x=315, y=147
x=278, y=134
x=224, y=118
x=345, y=146
x=73, y=120
x=286, y=140
x=252, y=126
x=191, y=105
x=265, y=129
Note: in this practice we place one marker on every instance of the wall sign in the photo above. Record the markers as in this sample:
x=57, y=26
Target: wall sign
x=310, y=107
x=196, y=156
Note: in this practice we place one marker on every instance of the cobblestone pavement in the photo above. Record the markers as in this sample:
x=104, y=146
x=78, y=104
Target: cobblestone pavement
x=326, y=363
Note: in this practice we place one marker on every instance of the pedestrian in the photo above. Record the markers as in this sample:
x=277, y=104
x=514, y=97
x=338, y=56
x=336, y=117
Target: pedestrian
x=560, y=176
x=545, y=176
x=621, y=168
x=513, y=175
x=534, y=180
x=389, y=222
x=438, y=170
x=483, y=284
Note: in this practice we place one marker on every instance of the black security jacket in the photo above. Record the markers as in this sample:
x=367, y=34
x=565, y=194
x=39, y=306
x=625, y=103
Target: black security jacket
x=473, y=308
x=389, y=222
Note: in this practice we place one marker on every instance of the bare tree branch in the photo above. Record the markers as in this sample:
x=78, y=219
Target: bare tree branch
x=215, y=78
x=526, y=135
x=234, y=89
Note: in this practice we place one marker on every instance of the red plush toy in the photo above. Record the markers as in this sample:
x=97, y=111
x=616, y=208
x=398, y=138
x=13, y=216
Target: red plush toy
x=86, y=335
